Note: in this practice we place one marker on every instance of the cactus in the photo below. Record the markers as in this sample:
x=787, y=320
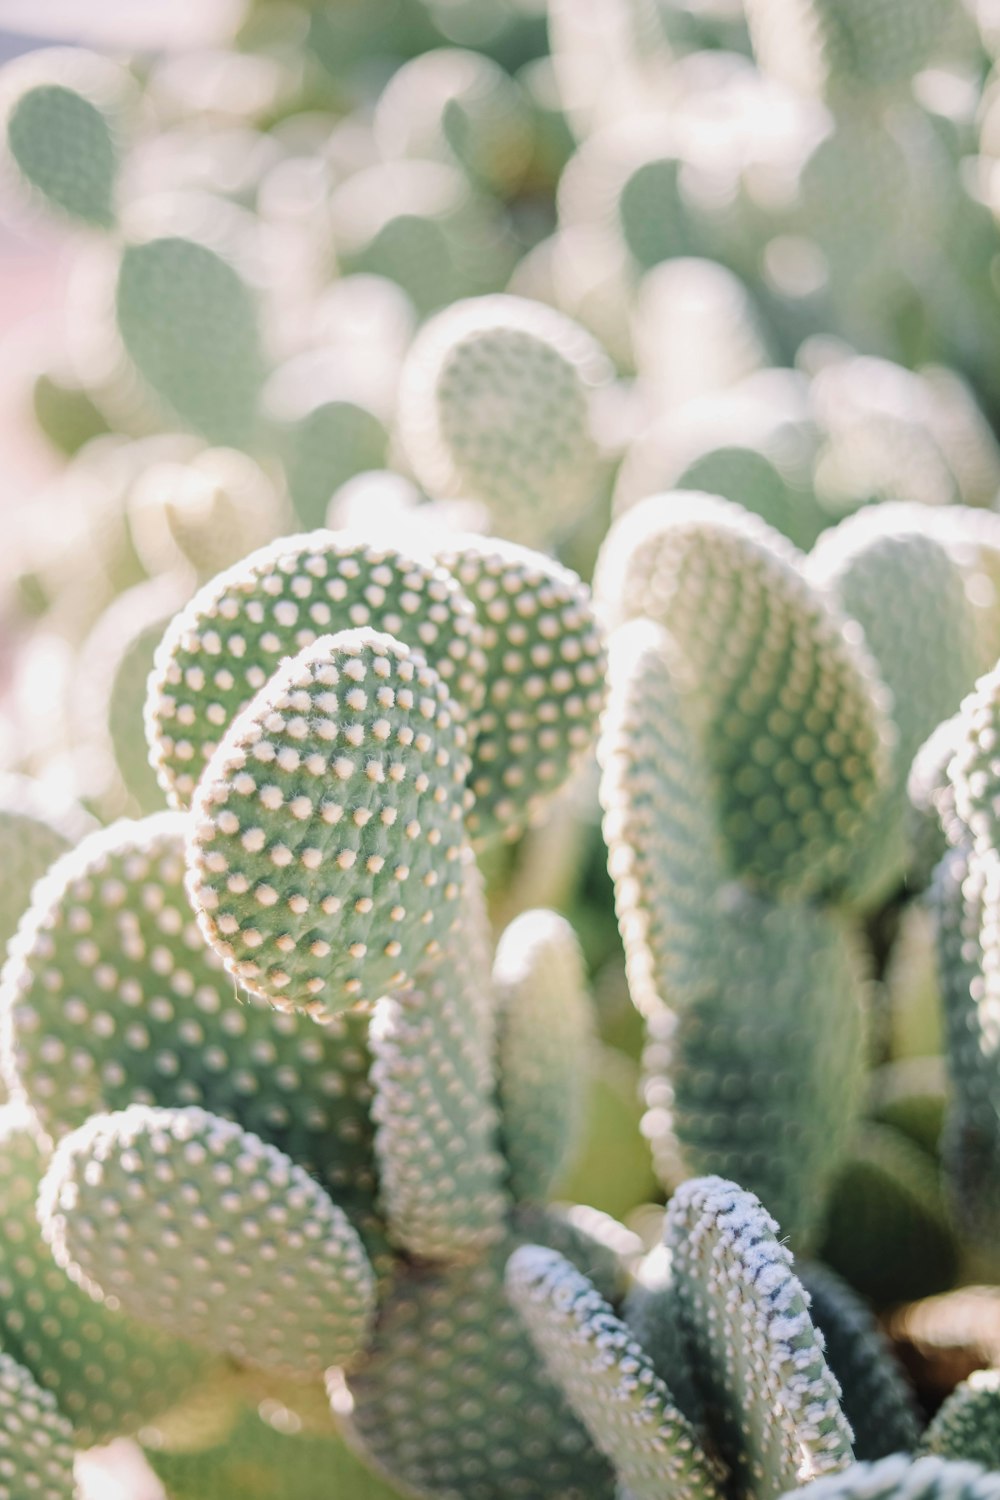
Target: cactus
x=32, y=835
x=823, y=45
x=967, y=1427
x=900, y=1478
x=36, y=1445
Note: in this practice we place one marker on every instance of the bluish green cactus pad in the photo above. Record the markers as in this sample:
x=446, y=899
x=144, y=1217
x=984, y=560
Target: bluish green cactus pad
x=771, y=1402
x=967, y=1427
x=544, y=679
x=112, y=997
x=609, y=1379
x=109, y=1374
x=786, y=701
x=190, y=1223
x=327, y=842
x=36, y=1441
x=235, y=633
x=903, y=1478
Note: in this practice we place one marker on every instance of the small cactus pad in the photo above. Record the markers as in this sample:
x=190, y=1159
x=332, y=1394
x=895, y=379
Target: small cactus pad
x=327, y=843
x=968, y=1424
x=452, y=1401
x=608, y=1378
x=877, y=1400
x=546, y=1034
x=495, y=406
x=771, y=1402
x=188, y=322
x=112, y=997
x=36, y=1441
x=904, y=1478
x=189, y=1222
x=32, y=838
x=544, y=676
x=789, y=708
x=664, y=854
x=235, y=633
x=109, y=1375
x=440, y=1171
x=61, y=127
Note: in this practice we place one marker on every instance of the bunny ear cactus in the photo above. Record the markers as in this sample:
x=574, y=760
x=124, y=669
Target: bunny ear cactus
x=36, y=1442
x=866, y=47
x=902, y=1478
x=32, y=835
x=967, y=1427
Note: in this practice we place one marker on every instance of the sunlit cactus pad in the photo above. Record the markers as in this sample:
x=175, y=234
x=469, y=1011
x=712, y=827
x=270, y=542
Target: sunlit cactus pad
x=327, y=842
x=235, y=633
x=36, y=1442
x=193, y=1224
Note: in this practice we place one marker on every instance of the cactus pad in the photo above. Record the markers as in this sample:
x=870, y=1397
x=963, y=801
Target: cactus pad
x=235, y=633
x=32, y=838
x=191, y=1223
x=36, y=1442
x=903, y=1478
x=967, y=1426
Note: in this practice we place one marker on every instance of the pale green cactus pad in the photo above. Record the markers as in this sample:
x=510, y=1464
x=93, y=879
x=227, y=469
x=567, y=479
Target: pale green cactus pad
x=967, y=1427
x=327, y=842
x=495, y=405
x=545, y=1049
x=32, y=837
x=109, y=1374
x=451, y=1400
x=441, y=1174
x=324, y=447
x=771, y=1402
x=975, y=770
x=787, y=704
x=761, y=1080
x=609, y=1380
x=544, y=679
x=61, y=127
x=837, y=47
x=112, y=997
x=664, y=853
x=904, y=1478
x=877, y=1400
x=188, y=322
x=236, y=632
x=36, y=1441
x=195, y=1225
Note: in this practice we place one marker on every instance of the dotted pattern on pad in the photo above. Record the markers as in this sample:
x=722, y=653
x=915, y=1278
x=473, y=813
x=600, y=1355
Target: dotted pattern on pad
x=36, y=1443
x=191, y=1223
x=325, y=855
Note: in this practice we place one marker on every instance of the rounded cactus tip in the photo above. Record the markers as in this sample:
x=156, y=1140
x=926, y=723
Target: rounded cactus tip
x=328, y=838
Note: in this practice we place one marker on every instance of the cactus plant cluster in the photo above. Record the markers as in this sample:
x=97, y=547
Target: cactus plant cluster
x=499, y=759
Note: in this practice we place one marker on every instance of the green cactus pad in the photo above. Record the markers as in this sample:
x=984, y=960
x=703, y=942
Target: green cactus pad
x=546, y=1036
x=113, y=998
x=772, y=1405
x=608, y=1378
x=495, y=404
x=188, y=322
x=974, y=771
x=452, y=1402
x=36, y=1441
x=32, y=837
x=873, y=566
x=664, y=854
x=236, y=632
x=330, y=871
x=61, y=125
x=788, y=707
x=191, y=1223
x=761, y=1080
x=440, y=1171
x=325, y=446
x=877, y=1400
x=903, y=1478
x=846, y=46
x=544, y=679
x=968, y=1425
x=651, y=1311
x=109, y=1375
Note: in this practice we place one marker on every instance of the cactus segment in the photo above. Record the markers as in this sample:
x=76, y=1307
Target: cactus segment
x=238, y=629
x=36, y=1441
x=967, y=1427
x=771, y=1402
x=903, y=1478
x=609, y=1379
x=32, y=838
x=189, y=1222
x=325, y=856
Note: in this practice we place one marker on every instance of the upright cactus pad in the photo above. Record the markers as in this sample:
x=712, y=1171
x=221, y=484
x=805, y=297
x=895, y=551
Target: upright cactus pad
x=975, y=770
x=193, y=1224
x=544, y=679
x=36, y=1442
x=771, y=1401
x=903, y=1478
x=495, y=406
x=327, y=847
x=967, y=1427
x=609, y=1380
x=788, y=707
x=235, y=633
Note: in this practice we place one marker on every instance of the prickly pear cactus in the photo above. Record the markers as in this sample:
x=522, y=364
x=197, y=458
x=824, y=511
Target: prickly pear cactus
x=36, y=1442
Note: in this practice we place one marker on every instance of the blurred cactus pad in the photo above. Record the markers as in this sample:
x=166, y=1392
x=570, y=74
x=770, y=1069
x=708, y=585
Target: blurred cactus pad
x=500, y=751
